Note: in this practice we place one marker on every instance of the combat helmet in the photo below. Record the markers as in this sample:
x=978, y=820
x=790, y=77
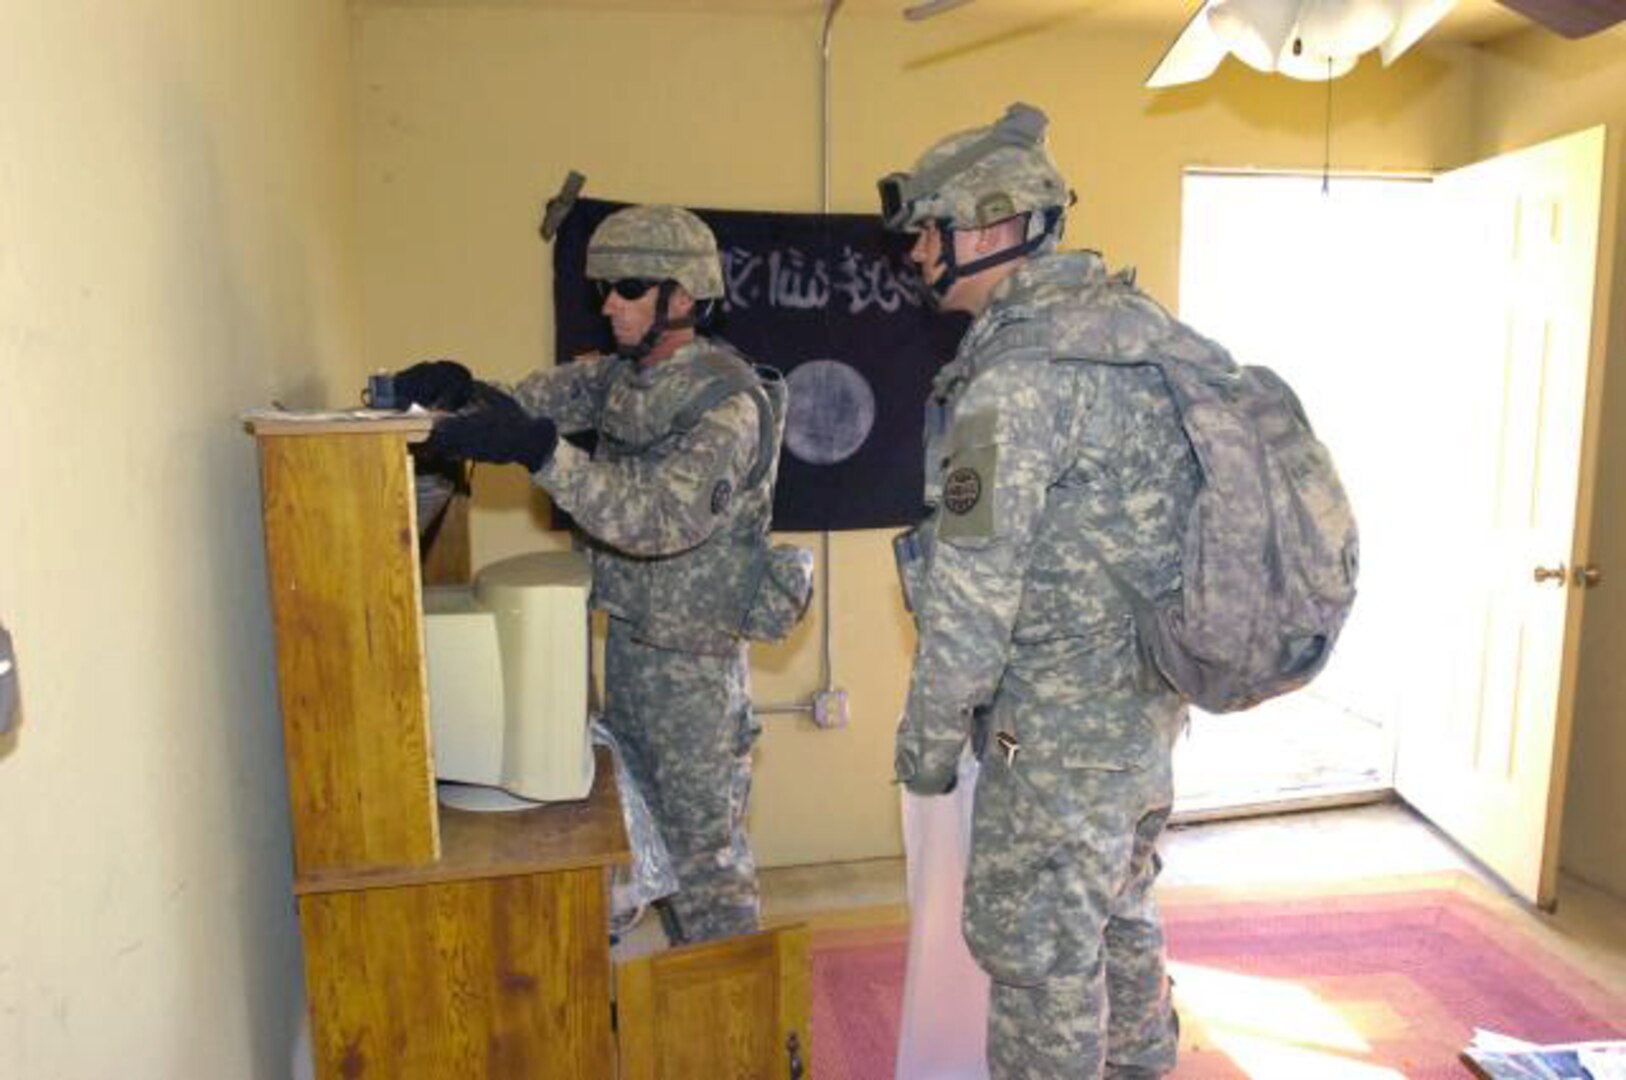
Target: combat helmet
x=657, y=243
x=665, y=246
x=978, y=178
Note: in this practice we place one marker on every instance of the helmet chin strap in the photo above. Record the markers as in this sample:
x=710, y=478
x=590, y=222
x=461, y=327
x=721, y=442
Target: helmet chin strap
x=953, y=271
x=646, y=344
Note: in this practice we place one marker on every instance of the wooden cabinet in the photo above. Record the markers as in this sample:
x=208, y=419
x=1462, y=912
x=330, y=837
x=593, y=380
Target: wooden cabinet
x=438, y=944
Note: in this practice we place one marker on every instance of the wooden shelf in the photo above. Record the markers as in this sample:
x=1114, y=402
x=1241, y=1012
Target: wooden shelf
x=414, y=426
x=560, y=836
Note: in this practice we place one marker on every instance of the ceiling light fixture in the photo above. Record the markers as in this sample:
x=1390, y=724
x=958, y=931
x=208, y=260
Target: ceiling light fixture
x=1314, y=40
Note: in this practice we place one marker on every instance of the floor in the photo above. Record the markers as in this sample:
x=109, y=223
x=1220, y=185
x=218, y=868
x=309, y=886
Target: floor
x=1303, y=745
x=1358, y=847
x=1364, y=848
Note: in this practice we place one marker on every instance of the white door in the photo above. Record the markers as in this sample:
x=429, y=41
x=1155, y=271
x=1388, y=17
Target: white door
x=1483, y=749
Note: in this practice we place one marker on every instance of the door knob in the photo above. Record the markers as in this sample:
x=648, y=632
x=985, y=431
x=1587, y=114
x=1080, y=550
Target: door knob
x=1589, y=576
x=1558, y=575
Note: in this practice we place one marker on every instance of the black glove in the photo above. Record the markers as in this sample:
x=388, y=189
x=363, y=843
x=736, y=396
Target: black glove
x=434, y=384
x=497, y=430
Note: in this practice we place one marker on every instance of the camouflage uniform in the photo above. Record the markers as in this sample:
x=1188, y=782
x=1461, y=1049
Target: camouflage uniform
x=1038, y=469
x=675, y=505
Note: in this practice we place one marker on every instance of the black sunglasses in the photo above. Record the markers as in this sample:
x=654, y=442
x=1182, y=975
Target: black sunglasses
x=625, y=288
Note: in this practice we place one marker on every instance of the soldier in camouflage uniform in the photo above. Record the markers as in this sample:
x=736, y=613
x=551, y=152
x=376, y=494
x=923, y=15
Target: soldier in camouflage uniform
x=1041, y=468
x=675, y=502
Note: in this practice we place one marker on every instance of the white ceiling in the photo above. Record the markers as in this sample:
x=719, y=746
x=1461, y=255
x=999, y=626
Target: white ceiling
x=1469, y=21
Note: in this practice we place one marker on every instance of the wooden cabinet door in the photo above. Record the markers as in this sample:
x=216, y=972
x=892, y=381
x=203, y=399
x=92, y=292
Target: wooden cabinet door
x=735, y=1009
x=504, y=978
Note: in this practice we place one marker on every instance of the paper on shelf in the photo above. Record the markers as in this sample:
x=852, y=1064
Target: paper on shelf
x=331, y=416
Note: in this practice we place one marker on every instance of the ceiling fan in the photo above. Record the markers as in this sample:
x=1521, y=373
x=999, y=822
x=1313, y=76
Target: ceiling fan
x=1321, y=39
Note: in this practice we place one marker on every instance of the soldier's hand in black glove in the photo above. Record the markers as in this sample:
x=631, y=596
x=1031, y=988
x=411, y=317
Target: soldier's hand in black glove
x=434, y=384
x=498, y=430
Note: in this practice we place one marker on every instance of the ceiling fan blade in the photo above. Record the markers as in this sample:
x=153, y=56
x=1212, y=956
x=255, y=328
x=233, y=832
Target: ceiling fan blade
x=932, y=7
x=1417, y=17
x=1571, y=18
x=1194, y=56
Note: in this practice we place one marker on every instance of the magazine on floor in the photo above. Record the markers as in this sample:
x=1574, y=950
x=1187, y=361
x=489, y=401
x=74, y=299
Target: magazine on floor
x=1498, y=1057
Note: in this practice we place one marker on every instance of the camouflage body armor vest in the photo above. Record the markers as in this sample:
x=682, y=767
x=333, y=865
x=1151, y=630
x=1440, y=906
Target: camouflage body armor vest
x=1130, y=441
x=695, y=600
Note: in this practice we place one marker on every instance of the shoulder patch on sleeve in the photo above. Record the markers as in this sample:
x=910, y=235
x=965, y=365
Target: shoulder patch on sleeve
x=962, y=490
x=970, y=490
x=722, y=494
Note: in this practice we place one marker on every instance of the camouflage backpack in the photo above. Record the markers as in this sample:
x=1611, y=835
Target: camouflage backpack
x=1270, y=553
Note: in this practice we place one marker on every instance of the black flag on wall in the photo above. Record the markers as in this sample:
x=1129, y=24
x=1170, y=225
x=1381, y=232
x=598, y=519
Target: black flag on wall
x=832, y=302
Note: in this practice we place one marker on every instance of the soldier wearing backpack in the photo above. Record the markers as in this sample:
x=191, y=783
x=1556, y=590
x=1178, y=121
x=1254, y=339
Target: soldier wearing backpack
x=1055, y=488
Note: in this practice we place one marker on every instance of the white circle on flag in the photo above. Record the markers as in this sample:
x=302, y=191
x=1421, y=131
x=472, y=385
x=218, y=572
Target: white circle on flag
x=832, y=411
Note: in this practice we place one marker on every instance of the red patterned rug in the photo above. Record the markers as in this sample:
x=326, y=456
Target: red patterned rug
x=1371, y=986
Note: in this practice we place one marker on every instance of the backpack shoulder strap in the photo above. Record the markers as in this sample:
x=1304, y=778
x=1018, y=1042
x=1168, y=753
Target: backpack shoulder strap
x=1116, y=323
x=729, y=374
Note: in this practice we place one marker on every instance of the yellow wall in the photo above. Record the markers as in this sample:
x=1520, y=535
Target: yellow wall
x=1531, y=88
x=469, y=117
x=176, y=244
